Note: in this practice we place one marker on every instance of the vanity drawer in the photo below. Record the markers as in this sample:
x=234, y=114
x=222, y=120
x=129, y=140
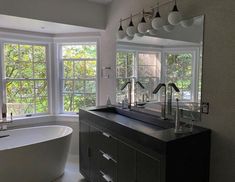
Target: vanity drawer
x=107, y=166
x=103, y=177
x=107, y=144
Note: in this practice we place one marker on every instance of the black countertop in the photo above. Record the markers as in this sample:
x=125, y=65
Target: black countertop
x=144, y=133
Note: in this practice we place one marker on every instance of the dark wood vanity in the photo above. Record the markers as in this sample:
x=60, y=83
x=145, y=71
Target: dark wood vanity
x=117, y=148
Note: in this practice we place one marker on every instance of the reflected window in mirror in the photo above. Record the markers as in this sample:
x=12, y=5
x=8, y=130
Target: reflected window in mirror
x=183, y=69
x=144, y=66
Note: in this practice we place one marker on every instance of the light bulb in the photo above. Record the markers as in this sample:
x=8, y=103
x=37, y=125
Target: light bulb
x=131, y=29
x=157, y=21
x=121, y=33
x=174, y=16
x=143, y=25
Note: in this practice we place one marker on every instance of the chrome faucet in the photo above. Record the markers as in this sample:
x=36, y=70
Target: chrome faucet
x=163, y=107
x=169, y=97
x=128, y=83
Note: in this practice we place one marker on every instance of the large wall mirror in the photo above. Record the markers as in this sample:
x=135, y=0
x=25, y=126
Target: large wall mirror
x=163, y=56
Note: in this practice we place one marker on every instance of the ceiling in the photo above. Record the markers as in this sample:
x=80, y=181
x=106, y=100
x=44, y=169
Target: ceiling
x=26, y=24
x=101, y=1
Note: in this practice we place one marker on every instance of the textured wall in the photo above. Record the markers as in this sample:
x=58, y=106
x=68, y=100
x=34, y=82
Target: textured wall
x=218, y=86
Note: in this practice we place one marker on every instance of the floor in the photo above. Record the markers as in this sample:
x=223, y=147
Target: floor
x=71, y=173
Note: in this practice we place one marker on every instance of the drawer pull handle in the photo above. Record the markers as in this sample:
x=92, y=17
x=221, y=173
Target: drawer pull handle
x=107, y=156
x=106, y=177
x=106, y=135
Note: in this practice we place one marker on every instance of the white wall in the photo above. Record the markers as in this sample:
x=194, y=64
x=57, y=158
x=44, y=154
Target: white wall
x=218, y=86
x=74, y=12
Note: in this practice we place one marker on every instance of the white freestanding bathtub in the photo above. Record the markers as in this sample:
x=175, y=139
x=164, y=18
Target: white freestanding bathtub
x=36, y=154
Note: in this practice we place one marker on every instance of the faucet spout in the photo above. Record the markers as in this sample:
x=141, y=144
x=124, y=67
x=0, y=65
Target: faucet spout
x=128, y=83
x=169, y=97
x=163, y=107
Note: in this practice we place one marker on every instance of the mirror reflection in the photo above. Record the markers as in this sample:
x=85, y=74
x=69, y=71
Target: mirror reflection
x=162, y=56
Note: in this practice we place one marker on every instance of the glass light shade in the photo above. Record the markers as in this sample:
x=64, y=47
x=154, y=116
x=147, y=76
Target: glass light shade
x=142, y=27
x=131, y=30
x=174, y=17
x=157, y=23
x=121, y=34
x=168, y=28
x=153, y=32
x=187, y=23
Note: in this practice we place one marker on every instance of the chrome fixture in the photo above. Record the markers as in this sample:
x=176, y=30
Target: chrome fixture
x=129, y=83
x=178, y=128
x=163, y=107
x=129, y=92
x=150, y=20
x=174, y=16
x=169, y=97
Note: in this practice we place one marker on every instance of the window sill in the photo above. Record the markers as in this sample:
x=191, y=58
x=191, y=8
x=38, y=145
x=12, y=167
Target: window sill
x=32, y=120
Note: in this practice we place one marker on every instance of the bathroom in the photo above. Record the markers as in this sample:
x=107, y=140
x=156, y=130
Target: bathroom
x=98, y=22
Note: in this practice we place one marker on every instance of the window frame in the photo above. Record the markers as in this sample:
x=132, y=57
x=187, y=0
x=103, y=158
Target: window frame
x=194, y=50
x=61, y=72
x=3, y=80
x=136, y=49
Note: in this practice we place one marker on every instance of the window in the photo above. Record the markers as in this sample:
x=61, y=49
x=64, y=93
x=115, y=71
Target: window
x=25, y=78
x=125, y=71
x=177, y=65
x=142, y=66
x=179, y=71
x=79, y=76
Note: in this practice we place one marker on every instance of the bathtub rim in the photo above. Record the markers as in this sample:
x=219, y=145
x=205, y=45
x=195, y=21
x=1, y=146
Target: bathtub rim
x=38, y=142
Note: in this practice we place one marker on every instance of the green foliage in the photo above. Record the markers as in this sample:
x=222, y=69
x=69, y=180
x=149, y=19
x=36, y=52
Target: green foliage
x=24, y=63
x=179, y=71
x=79, y=65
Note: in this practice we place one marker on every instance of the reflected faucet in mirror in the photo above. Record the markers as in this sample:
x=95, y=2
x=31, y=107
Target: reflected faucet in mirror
x=129, y=84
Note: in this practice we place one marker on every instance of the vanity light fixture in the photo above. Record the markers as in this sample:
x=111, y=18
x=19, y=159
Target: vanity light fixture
x=150, y=24
x=131, y=29
x=174, y=16
x=121, y=32
x=157, y=21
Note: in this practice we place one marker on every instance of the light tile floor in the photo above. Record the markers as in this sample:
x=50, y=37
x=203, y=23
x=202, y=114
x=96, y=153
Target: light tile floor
x=71, y=173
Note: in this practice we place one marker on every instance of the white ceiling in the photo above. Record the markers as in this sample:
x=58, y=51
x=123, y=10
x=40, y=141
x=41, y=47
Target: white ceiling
x=26, y=24
x=101, y=1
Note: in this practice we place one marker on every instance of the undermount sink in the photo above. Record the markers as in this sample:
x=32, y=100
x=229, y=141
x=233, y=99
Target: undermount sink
x=138, y=115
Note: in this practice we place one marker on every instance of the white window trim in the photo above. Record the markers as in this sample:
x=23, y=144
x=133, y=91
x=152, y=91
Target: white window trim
x=51, y=42
x=58, y=102
x=195, y=50
x=3, y=80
